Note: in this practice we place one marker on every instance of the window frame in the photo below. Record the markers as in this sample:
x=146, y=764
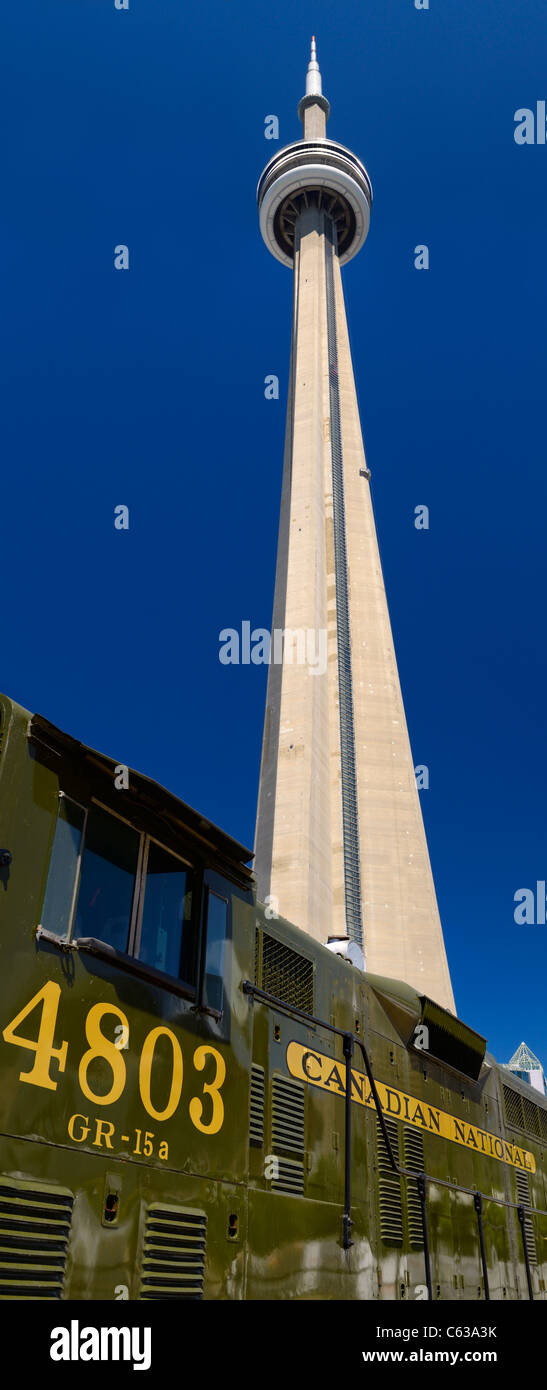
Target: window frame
x=210, y=886
x=77, y=876
x=135, y=930
x=139, y=877
x=69, y=939
x=205, y=881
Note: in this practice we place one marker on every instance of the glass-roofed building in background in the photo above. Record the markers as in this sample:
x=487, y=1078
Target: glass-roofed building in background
x=528, y=1067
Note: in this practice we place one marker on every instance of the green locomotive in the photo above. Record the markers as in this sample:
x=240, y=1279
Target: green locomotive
x=199, y=1101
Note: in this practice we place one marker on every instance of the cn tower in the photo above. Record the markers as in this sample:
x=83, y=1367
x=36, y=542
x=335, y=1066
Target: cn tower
x=340, y=842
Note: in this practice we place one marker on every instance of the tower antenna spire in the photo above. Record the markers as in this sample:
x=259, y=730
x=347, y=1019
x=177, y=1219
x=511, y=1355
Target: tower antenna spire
x=313, y=108
x=313, y=75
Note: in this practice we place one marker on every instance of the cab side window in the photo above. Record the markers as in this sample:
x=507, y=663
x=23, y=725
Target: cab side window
x=92, y=876
x=112, y=884
x=109, y=882
x=167, y=938
x=107, y=879
x=63, y=868
x=215, y=952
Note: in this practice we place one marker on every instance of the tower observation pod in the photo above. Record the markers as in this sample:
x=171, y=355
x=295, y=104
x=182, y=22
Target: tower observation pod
x=314, y=173
x=340, y=844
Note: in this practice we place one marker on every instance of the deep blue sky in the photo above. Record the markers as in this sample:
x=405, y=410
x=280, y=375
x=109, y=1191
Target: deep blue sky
x=147, y=388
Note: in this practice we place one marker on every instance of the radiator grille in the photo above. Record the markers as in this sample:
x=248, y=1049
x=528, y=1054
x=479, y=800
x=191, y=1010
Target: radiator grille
x=258, y=975
x=523, y=1195
x=256, y=1119
x=287, y=1114
x=531, y=1117
x=290, y=1176
x=413, y=1148
x=286, y=974
x=513, y=1107
x=389, y=1186
x=173, y=1258
x=34, y=1233
x=522, y=1113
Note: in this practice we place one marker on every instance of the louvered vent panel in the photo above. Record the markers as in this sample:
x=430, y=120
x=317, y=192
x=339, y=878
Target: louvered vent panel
x=34, y=1233
x=257, y=957
x=513, y=1107
x=256, y=1119
x=287, y=1114
x=413, y=1148
x=531, y=1117
x=389, y=1186
x=286, y=974
x=173, y=1258
x=522, y=1113
x=290, y=1176
x=523, y=1194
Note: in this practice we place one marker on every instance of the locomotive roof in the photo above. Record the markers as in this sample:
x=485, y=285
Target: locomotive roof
x=149, y=794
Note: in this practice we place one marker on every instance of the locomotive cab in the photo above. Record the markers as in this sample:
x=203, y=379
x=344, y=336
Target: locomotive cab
x=133, y=876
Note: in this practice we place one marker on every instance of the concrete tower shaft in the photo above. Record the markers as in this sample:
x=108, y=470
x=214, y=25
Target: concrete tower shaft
x=340, y=842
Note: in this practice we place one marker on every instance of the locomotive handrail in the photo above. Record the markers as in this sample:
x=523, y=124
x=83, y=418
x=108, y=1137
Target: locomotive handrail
x=349, y=1041
x=478, y=1209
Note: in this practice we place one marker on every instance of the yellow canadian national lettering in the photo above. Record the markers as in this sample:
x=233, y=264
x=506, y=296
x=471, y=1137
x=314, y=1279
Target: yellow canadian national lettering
x=319, y=1070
